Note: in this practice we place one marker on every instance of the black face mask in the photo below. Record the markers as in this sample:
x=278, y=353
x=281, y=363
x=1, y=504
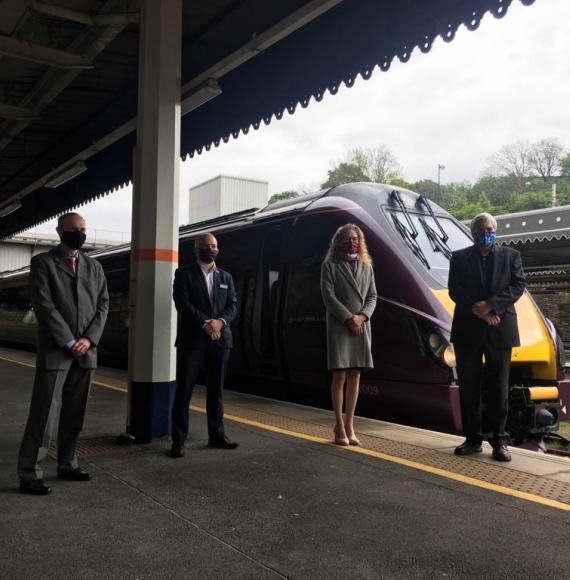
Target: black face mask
x=74, y=239
x=206, y=255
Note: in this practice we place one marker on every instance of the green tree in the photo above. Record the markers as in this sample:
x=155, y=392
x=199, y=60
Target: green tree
x=513, y=160
x=344, y=173
x=528, y=200
x=565, y=166
x=545, y=157
x=498, y=189
x=378, y=163
x=428, y=188
x=281, y=196
x=399, y=182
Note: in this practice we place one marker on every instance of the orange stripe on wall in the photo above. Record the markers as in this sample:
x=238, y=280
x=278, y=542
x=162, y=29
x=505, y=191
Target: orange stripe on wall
x=155, y=255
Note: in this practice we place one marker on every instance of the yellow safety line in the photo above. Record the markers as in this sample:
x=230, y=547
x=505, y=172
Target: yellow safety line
x=33, y=366
x=371, y=453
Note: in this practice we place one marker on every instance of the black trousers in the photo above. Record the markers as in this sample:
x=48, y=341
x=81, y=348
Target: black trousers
x=63, y=392
x=484, y=391
x=189, y=363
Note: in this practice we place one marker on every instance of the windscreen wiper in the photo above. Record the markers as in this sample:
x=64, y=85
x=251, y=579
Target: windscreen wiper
x=410, y=234
x=411, y=241
x=412, y=231
x=437, y=243
x=423, y=200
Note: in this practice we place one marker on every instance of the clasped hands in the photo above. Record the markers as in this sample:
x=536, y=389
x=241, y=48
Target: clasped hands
x=213, y=328
x=356, y=324
x=484, y=312
x=81, y=346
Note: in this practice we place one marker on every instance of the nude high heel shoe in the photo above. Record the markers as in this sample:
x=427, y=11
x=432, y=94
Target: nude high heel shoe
x=352, y=438
x=341, y=440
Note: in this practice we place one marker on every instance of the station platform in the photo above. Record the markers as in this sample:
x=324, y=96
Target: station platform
x=287, y=503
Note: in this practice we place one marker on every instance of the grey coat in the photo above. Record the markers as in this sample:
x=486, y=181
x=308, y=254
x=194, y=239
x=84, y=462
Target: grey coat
x=345, y=295
x=67, y=305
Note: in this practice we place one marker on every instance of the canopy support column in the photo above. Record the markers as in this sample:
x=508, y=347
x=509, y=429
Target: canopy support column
x=152, y=361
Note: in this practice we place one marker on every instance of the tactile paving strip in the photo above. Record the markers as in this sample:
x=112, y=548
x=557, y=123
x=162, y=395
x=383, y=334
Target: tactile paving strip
x=91, y=446
x=482, y=471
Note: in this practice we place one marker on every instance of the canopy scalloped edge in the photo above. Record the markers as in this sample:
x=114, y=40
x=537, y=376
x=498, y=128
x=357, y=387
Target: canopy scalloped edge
x=404, y=54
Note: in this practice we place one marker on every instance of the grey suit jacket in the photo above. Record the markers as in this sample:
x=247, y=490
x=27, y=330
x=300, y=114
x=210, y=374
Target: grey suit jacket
x=345, y=295
x=67, y=305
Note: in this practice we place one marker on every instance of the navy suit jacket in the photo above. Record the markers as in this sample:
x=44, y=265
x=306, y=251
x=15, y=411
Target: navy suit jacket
x=194, y=307
x=466, y=288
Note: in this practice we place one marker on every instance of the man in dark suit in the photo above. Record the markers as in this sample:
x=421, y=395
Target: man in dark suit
x=485, y=281
x=205, y=299
x=70, y=301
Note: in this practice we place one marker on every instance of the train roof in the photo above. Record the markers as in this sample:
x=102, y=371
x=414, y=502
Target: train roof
x=254, y=215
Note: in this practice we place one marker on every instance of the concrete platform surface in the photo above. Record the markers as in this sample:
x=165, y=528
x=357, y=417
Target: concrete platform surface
x=285, y=504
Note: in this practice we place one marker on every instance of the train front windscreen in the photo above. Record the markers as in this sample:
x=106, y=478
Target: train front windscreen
x=431, y=239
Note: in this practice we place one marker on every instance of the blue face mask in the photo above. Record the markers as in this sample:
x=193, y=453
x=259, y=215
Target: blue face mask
x=485, y=239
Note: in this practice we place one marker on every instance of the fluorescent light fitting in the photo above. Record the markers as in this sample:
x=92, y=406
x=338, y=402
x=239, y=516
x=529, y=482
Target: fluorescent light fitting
x=66, y=174
x=200, y=95
x=10, y=208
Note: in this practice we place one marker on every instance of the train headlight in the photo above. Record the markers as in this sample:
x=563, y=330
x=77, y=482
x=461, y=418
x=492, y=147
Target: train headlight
x=449, y=356
x=438, y=342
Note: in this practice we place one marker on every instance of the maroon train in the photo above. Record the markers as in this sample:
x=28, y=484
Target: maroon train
x=275, y=256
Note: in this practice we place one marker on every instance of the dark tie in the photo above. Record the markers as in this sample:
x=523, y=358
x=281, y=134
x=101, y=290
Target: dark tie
x=73, y=263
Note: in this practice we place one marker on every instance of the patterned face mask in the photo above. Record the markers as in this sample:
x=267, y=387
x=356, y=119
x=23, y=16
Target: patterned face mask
x=351, y=247
x=485, y=239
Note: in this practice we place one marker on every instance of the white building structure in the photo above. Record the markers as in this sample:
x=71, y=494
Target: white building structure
x=223, y=195
x=17, y=252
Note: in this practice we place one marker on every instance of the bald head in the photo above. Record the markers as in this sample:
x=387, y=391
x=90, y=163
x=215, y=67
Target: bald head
x=71, y=230
x=70, y=222
x=206, y=248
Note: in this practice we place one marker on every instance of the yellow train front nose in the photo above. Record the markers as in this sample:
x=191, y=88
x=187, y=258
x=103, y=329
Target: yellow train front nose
x=536, y=349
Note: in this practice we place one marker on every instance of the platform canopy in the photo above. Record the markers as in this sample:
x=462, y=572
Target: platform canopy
x=69, y=69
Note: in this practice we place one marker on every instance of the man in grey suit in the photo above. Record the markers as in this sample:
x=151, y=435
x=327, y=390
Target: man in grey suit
x=70, y=300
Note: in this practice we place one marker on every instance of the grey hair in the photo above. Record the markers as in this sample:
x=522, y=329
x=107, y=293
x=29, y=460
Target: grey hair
x=202, y=237
x=480, y=220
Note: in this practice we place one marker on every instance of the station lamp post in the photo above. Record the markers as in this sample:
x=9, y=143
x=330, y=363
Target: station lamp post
x=440, y=167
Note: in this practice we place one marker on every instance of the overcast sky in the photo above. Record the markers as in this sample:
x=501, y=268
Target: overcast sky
x=455, y=105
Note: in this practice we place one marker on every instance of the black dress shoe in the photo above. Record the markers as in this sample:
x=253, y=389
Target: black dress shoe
x=222, y=443
x=177, y=451
x=501, y=453
x=34, y=486
x=468, y=448
x=73, y=474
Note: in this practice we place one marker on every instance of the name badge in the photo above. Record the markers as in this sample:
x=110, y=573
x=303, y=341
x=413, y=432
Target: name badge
x=224, y=286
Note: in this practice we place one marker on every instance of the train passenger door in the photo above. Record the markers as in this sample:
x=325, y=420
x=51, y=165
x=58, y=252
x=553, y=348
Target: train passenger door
x=304, y=317
x=267, y=308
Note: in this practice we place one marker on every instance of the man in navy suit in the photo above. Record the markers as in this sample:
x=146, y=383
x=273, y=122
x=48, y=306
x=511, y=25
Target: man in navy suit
x=206, y=302
x=485, y=281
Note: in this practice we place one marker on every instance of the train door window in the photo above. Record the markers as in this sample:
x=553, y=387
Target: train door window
x=270, y=291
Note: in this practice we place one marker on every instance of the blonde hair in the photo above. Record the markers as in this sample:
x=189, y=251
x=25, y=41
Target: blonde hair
x=336, y=253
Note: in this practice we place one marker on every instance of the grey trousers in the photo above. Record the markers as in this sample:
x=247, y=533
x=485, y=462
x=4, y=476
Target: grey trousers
x=62, y=392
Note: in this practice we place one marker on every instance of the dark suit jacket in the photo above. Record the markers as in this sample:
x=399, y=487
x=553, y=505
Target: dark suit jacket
x=67, y=305
x=194, y=306
x=465, y=288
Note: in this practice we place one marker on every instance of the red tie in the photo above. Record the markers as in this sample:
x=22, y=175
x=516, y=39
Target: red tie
x=73, y=263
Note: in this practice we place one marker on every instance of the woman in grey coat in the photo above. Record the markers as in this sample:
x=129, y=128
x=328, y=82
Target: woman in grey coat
x=349, y=294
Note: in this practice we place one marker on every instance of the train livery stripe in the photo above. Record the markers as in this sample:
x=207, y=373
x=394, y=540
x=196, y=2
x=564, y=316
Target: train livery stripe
x=368, y=452
x=155, y=255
